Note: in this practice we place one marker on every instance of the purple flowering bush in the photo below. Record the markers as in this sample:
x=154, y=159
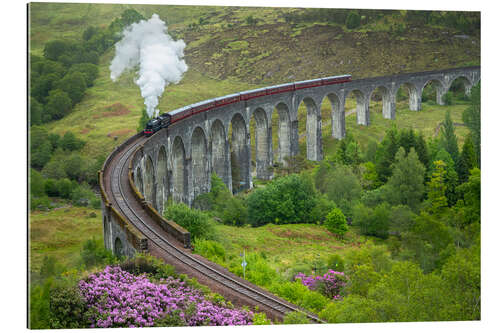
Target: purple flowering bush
x=331, y=284
x=121, y=299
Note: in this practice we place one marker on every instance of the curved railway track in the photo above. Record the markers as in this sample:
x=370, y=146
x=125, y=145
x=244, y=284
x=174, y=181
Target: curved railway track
x=162, y=245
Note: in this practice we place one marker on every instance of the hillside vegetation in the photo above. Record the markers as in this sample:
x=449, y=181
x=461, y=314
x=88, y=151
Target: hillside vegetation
x=230, y=49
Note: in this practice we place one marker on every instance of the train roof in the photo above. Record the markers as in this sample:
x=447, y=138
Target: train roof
x=337, y=76
x=202, y=102
x=176, y=111
x=227, y=96
x=280, y=85
x=253, y=90
x=307, y=81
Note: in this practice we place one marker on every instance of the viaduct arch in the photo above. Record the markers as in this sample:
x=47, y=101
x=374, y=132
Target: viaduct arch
x=176, y=163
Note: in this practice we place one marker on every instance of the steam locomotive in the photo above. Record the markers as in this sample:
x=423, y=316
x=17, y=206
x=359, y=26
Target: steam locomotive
x=165, y=119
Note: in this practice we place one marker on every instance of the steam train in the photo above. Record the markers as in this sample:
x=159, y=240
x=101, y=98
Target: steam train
x=165, y=119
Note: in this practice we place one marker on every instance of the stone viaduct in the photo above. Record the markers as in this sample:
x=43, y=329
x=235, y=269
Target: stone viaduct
x=177, y=162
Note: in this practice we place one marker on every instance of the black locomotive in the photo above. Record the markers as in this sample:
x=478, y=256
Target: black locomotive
x=156, y=124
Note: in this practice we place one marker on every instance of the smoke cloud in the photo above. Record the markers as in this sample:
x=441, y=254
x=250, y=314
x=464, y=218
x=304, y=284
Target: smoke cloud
x=159, y=57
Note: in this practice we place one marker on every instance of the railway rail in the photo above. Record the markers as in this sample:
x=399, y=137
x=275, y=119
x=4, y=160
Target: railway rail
x=119, y=193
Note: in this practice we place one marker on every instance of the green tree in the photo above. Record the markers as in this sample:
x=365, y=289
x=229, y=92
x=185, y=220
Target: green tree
x=143, y=120
x=449, y=138
x=450, y=176
x=336, y=222
x=130, y=16
x=353, y=20
x=37, y=183
x=196, y=222
x=372, y=222
x=371, y=151
x=472, y=119
x=74, y=85
x=40, y=155
x=352, y=309
x=437, y=189
x=343, y=188
x=321, y=175
x=70, y=142
x=401, y=219
x=462, y=289
x=54, y=49
x=43, y=85
x=55, y=169
x=289, y=199
x=429, y=241
x=470, y=197
x=36, y=112
x=348, y=152
x=65, y=187
x=58, y=104
x=89, y=71
x=89, y=32
x=422, y=149
x=407, y=139
x=369, y=176
x=384, y=157
x=467, y=160
x=407, y=181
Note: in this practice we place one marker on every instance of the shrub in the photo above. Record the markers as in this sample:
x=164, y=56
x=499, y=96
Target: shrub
x=447, y=98
x=335, y=262
x=70, y=142
x=260, y=318
x=95, y=254
x=353, y=309
x=65, y=187
x=68, y=308
x=121, y=299
x=296, y=318
x=196, y=222
x=40, y=203
x=299, y=294
x=288, y=199
x=51, y=188
x=342, y=187
x=39, y=305
x=211, y=250
x=37, y=183
x=258, y=270
x=330, y=284
x=336, y=222
x=322, y=208
x=55, y=169
x=372, y=222
x=353, y=20
x=83, y=195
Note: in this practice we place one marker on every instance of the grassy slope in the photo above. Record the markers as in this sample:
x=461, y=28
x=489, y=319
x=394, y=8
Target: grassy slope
x=287, y=246
x=60, y=233
x=222, y=60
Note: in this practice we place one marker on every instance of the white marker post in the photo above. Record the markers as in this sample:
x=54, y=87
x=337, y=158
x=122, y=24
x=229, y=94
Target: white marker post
x=244, y=264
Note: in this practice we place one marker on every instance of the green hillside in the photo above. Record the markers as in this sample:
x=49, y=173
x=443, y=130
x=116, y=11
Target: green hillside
x=230, y=49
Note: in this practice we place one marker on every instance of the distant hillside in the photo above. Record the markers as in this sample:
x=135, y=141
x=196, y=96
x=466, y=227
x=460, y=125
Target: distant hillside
x=230, y=49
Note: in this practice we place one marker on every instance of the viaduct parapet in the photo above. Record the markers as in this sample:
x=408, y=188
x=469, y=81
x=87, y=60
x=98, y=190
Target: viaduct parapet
x=176, y=163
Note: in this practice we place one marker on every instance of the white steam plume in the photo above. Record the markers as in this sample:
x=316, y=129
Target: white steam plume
x=159, y=57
